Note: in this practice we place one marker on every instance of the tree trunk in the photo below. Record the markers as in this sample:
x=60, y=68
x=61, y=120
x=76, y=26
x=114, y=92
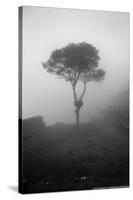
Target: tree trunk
x=78, y=103
x=77, y=119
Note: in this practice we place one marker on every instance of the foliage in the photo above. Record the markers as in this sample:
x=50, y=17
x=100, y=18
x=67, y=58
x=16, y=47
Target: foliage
x=75, y=62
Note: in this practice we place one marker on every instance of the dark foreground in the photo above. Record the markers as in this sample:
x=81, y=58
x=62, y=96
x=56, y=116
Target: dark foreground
x=62, y=158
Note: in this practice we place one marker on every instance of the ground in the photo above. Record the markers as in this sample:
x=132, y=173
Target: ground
x=62, y=157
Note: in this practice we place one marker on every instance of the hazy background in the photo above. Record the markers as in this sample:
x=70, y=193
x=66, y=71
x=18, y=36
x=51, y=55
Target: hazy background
x=44, y=30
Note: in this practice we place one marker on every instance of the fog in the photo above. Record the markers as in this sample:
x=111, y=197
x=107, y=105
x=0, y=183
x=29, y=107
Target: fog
x=46, y=29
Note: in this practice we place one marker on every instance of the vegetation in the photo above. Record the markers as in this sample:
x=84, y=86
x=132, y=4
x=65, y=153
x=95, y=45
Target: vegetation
x=76, y=63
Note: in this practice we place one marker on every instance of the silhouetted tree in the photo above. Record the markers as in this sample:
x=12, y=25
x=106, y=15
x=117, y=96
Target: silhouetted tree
x=74, y=63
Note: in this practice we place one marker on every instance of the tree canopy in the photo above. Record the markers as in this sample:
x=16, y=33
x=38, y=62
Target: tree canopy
x=75, y=62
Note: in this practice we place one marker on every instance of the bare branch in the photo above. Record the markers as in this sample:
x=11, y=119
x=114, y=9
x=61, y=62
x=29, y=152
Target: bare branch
x=83, y=93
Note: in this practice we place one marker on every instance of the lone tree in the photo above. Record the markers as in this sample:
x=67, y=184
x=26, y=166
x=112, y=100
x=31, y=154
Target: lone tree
x=76, y=63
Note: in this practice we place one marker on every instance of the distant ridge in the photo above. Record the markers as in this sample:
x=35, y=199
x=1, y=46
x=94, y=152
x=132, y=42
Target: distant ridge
x=32, y=126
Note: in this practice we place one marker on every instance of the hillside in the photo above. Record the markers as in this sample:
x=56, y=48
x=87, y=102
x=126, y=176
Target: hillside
x=60, y=157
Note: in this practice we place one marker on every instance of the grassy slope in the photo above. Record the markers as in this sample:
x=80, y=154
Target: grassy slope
x=97, y=153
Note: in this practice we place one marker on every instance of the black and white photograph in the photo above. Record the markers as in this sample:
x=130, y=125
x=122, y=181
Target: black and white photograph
x=73, y=99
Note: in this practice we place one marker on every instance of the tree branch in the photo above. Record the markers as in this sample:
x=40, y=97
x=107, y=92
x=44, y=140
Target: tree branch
x=83, y=93
x=74, y=93
x=77, y=78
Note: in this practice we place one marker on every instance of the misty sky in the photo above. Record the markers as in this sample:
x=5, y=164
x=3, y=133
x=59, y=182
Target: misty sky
x=46, y=29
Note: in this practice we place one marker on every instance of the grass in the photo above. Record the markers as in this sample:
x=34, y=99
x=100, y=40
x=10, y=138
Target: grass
x=60, y=158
